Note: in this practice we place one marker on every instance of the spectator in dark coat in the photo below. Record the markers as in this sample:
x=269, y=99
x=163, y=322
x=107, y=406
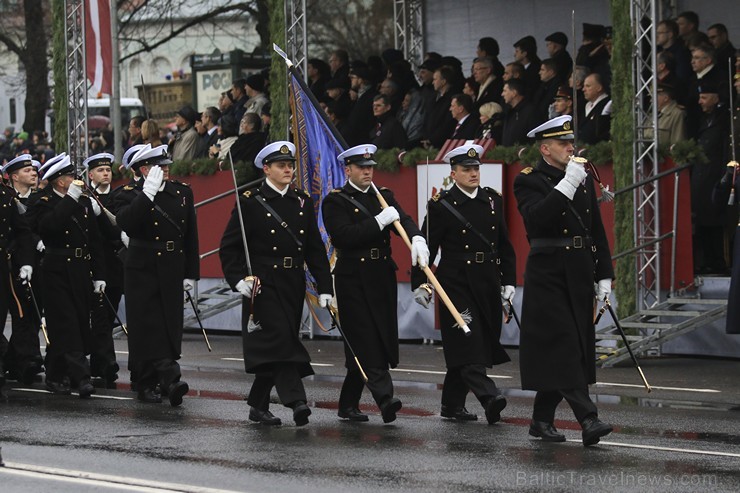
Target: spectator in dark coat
x=319, y=73
x=525, y=52
x=250, y=140
x=490, y=85
x=556, y=44
x=596, y=123
x=488, y=48
x=593, y=53
x=388, y=132
x=360, y=120
x=491, y=122
x=461, y=108
x=438, y=123
x=517, y=115
x=668, y=41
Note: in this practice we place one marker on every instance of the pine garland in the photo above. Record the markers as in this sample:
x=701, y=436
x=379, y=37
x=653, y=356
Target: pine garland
x=622, y=136
x=59, y=69
x=278, y=74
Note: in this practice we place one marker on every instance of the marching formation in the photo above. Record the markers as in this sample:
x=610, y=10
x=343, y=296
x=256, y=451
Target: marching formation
x=76, y=248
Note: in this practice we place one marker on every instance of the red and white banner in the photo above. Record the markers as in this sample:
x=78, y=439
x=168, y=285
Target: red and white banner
x=99, y=46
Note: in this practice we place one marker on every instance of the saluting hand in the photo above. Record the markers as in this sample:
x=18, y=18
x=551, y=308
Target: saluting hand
x=153, y=181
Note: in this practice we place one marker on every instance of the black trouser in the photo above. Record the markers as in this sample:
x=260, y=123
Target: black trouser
x=164, y=372
x=709, y=249
x=287, y=382
x=378, y=382
x=545, y=403
x=102, y=318
x=461, y=379
x=23, y=350
x=72, y=364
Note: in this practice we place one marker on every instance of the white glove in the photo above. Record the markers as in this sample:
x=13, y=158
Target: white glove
x=98, y=286
x=95, y=207
x=419, y=251
x=40, y=246
x=245, y=287
x=603, y=288
x=124, y=239
x=25, y=273
x=74, y=191
x=387, y=216
x=507, y=293
x=423, y=296
x=153, y=181
x=188, y=284
x=575, y=173
x=325, y=300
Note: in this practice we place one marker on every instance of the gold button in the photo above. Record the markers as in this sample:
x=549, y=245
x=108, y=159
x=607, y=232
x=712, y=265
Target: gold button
x=463, y=231
x=493, y=227
x=493, y=212
x=467, y=246
x=362, y=259
x=299, y=249
x=588, y=210
x=274, y=266
x=357, y=210
x=66, y=232
x=156, y=223
x=272, y=231
x=269, y=215
x=567, y=248
x=301, y=231
x=67, y=246
x=565, y=231
x=468, y=262
x=563, y=213
x=300, y=213
x=159, y=254
x=274, y=248
x=69, y=259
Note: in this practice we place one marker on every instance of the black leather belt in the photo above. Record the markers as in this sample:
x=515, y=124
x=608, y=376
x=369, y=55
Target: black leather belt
x=470, y=257
x=164, y=246
x=280, y=262
x=573, y=242
x=365, y=254
x=80, y=253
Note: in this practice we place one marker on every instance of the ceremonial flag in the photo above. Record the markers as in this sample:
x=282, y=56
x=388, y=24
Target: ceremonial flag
x=99, y=46
x=318, y=170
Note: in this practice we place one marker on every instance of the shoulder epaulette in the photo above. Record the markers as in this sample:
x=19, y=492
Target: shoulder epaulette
x=247, y=194
x=385, y=188
x=302, y=192
x=180, y=183
x=493, y=190
x=527, y=170
x=128, y=187
x=45, y=197
x=441, y=194
x=336, y=190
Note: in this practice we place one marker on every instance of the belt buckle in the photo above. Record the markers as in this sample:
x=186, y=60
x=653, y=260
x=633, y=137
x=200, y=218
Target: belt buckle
x=578, y=242
x=169, y=246
x=287, y=262
x=480, y=257
x=374, y=253
x=78, y=252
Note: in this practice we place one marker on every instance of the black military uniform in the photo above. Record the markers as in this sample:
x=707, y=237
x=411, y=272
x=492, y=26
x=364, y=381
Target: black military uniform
x=102, y=317
x=477, y=260
x=23, y=357
x=365, y=282
x=72, y=261
x=282, y=235
x=162, y=252
x=568, y=253
x=720, y=198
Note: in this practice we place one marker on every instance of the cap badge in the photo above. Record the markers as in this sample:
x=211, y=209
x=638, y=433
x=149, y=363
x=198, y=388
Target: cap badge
x=284, y=150
x=367, y=155
x=566, y=126
x=472, y=153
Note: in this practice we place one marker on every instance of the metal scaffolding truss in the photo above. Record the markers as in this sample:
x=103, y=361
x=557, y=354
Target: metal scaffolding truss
x=645, y=152
x=74, y=43
x=295, y=34
x=408, y=32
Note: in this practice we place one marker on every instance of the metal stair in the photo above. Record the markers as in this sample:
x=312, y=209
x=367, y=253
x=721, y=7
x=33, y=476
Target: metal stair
x=663, y=322
x=214, y=300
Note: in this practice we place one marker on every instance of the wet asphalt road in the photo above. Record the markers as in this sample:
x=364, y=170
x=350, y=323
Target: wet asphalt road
x=685, y=436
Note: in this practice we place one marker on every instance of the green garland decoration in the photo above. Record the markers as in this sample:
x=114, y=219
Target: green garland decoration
x=278, y=74
x=59, y=70
x=622, y=135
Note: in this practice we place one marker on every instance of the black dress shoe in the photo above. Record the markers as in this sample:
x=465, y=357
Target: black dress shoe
x=301, y=412
x=28, y=374
x=85, y=388
x=389, y=408
x=176, y=391
x=149, y=396
x=59, y=388
x=494, y=406
x=352, y=414
x=593, y=430
x=459, y=414
x=265, y=417
x=545, y=431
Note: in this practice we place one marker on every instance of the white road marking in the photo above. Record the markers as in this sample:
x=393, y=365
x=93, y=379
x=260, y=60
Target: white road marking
x=435, y=372
x=94, y=396
x=102, y=480
x=682, y=389
x=666, y=449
